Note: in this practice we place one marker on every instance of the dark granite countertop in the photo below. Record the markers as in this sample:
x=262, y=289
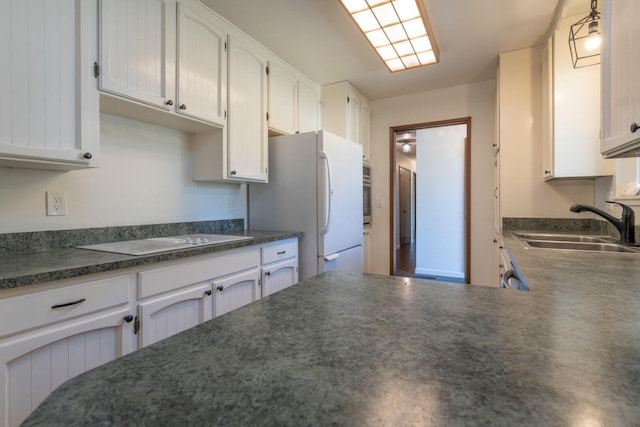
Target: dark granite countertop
x=358, y=349
x=63, y=263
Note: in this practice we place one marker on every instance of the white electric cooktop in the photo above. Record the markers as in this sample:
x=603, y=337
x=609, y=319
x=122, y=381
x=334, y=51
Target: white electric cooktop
x=163, y=244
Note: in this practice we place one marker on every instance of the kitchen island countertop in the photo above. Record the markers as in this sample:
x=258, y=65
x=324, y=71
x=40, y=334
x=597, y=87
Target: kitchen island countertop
x=359, y=349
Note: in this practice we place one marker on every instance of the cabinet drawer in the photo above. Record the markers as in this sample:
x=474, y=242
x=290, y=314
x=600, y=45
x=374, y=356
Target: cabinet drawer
x=40, y=308
x=279, y=250
x=159, y=280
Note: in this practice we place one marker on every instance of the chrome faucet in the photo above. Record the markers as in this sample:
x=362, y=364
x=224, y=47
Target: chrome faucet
x=624, y=225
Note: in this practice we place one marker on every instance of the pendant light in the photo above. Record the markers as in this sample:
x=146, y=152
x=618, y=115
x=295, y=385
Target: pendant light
x=584, y=39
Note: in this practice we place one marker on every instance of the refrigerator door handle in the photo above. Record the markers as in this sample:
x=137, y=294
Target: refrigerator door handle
x=331, y=257
x=327, y=195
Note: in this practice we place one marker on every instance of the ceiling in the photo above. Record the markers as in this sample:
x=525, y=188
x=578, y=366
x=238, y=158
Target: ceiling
x=319, y=39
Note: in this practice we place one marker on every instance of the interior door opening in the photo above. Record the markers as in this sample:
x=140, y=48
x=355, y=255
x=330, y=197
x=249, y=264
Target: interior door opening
x=430, y=184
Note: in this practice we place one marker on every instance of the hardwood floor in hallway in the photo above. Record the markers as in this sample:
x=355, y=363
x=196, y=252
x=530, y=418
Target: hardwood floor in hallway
x=406, y=260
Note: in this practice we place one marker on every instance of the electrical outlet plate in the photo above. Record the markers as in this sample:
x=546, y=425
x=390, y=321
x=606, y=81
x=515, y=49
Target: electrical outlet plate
x=56, y=203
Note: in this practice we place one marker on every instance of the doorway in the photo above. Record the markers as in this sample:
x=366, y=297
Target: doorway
x=431, y=212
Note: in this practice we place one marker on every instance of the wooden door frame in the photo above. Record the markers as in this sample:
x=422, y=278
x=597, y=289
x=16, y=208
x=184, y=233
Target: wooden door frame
x=467, y=186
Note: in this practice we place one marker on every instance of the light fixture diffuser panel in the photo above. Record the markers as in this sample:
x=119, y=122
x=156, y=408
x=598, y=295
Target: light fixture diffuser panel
x=398, y=30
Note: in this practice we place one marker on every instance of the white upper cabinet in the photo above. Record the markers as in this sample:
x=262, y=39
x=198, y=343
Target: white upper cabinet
x=165, y=55
x=283, y=99
x=247, y=118
x=620, y=81
x=49, y=116
x=202, y=67
x=138, y=50
x=345, y=112
x=294, y=100
x=309, y=96
x=570, y=112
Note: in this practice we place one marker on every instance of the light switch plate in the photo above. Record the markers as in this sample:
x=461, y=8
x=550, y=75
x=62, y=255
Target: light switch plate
x=56, y=203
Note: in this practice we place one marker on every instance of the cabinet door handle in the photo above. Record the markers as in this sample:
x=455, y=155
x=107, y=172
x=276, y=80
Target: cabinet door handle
x=169, y=102
x=220, y=288
x=282, y=252
x=634, y=127
x=183, y=107
x=207, y=292
x=67, y=304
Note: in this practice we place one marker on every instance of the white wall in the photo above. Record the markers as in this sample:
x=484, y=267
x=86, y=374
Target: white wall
x=523, y=192
x=476, y=100
x=441, y=243
x=144, y=178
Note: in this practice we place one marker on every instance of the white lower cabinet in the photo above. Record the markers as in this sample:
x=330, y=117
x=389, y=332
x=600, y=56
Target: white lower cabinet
x=178, y=311
x=279, y=276
x=235, y=291
x=65, y=328
x=279, y=266
x=57, y=334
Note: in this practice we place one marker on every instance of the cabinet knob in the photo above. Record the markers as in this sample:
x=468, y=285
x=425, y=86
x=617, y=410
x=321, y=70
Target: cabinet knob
x=183, y=107
x=267, y=273
x=547, y=172
x=128, y=318
x=169, y=102
x=634, y=127
x=233, y=172
x=207, y=292
x=87, y=155
x=495, y=240
x=220, y=288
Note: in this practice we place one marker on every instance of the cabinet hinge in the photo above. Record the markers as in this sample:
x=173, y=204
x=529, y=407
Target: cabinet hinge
x=267, y=68
x=136, y=325
x=348, y=100
x=96, y=70
x=259, y=282
x=225, y=46
x=267, y=116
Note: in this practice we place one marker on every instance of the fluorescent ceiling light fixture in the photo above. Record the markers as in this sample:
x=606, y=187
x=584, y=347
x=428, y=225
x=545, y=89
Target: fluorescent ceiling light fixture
x=398, y=30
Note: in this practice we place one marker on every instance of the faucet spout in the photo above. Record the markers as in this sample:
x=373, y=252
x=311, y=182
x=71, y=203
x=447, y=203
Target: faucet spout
x=624, y=225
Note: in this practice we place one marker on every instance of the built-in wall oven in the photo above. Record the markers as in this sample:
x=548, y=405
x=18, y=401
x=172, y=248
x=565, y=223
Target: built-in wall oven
x=366, y=193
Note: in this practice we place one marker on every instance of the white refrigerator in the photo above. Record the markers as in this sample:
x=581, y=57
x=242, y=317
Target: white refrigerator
x=315, y=186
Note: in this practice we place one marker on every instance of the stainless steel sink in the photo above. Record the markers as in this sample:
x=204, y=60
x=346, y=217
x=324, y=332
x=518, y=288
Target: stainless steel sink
x=573, y=242
x=562, y=237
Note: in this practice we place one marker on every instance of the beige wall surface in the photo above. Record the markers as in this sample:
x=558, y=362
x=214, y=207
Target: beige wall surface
x=475, y=100
x=144, y=178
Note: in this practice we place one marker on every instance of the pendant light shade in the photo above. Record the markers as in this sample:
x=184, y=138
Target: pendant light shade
x=584, y=39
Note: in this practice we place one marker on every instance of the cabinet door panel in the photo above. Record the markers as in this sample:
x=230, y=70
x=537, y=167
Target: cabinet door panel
x=247, y=121
x=283, y=100
x=354, y=118
x=236, y=291
x=137, y=49
x=279, y=276
x=35, y=363
x=177, y=312
x=44, y=44
x=620, y=85
x=308, y=107
x=202, y=67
